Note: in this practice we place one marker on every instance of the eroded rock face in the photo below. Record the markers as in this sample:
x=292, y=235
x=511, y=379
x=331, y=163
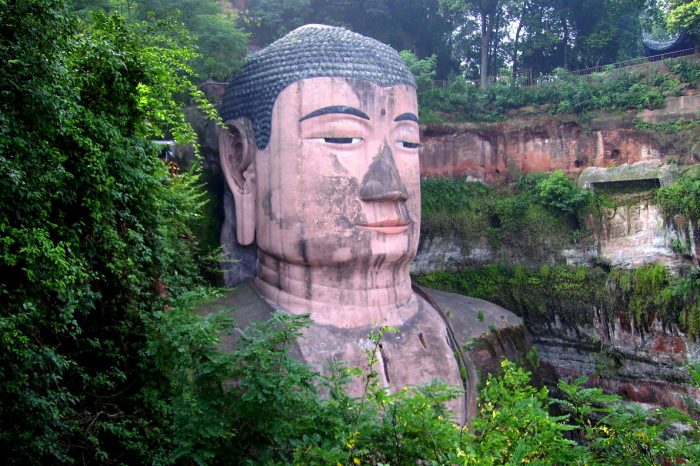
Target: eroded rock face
x=635, y=234
x=642, y=363
x=630, y=233
x=498, y=152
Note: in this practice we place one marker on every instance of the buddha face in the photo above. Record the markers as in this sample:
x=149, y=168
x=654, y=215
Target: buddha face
x=338, y=182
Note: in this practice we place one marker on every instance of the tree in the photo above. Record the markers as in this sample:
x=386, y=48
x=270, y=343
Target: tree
x=95, y=238
x=490, y=15
x=221, y=43
x=268, y=20
x=574, y=34
x=414, y=25
x=685, y=15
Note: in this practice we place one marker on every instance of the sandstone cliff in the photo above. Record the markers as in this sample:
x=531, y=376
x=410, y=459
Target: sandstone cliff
x=628, y=155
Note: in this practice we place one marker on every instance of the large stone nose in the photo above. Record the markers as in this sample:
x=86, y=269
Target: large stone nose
x=382, y=181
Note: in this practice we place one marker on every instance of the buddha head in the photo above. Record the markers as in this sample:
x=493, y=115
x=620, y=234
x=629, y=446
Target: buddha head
x=320, y=152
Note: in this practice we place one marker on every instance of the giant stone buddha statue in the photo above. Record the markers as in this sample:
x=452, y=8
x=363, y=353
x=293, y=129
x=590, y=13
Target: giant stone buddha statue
x=320, y=153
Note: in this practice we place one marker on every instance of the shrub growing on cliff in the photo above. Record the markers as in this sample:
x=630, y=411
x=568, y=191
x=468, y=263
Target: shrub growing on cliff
x=558, y=192
x=538, y=214
x=617, y=433
x=681, y=197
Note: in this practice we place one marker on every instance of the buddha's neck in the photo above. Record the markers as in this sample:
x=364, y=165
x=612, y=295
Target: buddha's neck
x=343, y=296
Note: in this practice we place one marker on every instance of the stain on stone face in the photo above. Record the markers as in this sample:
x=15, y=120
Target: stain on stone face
x=379, y=260
x=363, y=90
x=382, y=181
x=337, y=166
x=422, y=339
x=339, y=197
x=303, y=250
x=267, y=204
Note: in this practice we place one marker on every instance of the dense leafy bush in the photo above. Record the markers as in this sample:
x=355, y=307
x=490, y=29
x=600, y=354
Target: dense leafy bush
x=681, y=197
x=558, y=192
x=94, y=234
x=281, y=412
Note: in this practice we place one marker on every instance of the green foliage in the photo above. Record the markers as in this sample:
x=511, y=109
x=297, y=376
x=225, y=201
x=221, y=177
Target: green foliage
x=423, y=70
x=274, y=413
x=534, y=294
x=667, y=127
x=563, y=93
x=211, y=29
x=688, y=72
x=515, y=427
x=221, y=43
x=694, y=371
x=681, y=198
x=560, y=193
x=95, y=235
x=621, y=434
x=449, y=195
x=685, y=15
x=526, y=215
x=404, y=25
x=642, y=290
x=571, y=293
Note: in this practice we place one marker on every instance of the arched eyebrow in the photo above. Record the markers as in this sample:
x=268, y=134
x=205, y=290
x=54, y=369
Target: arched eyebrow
x=336, y=109
x=407, y=117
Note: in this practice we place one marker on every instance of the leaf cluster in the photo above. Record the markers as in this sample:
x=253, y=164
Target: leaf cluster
x=95, y=235
x=681, y=198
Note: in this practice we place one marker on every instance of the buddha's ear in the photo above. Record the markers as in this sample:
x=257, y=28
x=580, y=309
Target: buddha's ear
x=237, y=153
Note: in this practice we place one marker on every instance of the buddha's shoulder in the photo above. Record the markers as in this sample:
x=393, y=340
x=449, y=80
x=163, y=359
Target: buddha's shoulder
x=471, y=318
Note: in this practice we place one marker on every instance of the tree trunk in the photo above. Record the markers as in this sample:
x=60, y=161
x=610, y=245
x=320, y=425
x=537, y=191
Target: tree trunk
x=485, y=41
x=514, y=58
x=566, y=45
x=493, y=46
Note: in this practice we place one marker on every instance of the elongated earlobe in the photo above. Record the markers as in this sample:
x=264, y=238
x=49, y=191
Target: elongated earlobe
x=236, y=146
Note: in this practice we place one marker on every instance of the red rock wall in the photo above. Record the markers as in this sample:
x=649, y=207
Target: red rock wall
x=502, y=151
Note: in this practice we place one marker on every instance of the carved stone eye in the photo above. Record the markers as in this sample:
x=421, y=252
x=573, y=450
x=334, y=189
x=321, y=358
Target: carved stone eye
x=408, y=145
x=342, y=140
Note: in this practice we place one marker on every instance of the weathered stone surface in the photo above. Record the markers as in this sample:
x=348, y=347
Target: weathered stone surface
x=500, y=151
x=635, y=234
x=494, y=152
x=449, y=253
x=686, y=106
x=626, y=172
x=641, y=363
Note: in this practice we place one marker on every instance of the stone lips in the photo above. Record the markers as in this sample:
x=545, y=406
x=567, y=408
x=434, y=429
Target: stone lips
x=310, y=51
